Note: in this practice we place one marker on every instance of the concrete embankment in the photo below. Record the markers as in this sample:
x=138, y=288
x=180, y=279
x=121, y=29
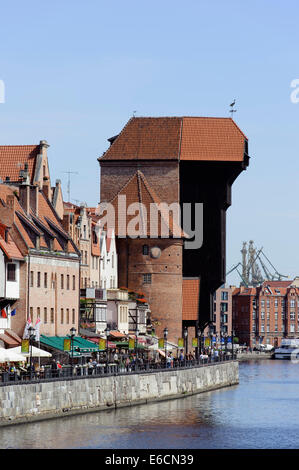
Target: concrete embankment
x=21, y=403
x=254, y=355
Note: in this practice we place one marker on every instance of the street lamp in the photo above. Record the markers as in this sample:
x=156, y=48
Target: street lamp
x=165, y=343
x=186, y=342
x=107, y=353
x=136, y=345
x=73, y=333
x=31, y=332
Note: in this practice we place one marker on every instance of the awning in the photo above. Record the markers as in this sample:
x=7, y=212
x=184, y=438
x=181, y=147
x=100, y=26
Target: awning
x=8, y=340
x=7, y=355
x=80, y=345
x=117, y=334
x=35, y=352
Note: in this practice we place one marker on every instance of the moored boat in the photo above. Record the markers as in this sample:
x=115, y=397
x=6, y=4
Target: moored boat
x=289, y=349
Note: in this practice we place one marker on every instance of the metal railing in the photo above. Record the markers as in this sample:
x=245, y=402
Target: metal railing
x=67, y=372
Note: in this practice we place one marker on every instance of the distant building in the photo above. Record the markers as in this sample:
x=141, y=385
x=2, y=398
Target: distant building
x=222, y=315
x=49, y=275
x=267, y=313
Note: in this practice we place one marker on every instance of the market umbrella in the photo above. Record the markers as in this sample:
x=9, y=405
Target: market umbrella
x=7, y=355
x=36, y=352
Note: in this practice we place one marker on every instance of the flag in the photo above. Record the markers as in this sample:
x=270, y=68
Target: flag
x=3, y=313
x=37, y=325
x=28, y=323
x=13, y=312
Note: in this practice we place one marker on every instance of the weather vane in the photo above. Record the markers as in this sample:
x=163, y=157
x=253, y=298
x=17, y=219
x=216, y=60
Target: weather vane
x=232, y=110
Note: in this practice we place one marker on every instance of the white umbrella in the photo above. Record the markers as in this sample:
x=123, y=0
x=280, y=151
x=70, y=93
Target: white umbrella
x=36, y=352
x=7, y=355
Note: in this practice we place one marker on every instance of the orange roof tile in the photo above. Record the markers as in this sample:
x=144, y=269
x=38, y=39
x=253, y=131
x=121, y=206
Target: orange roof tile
x=10, y=248
x=147, y=138
x=138, y=191
x=178, y=138
x=13, y=159
x=211, y=139
x=190, y=298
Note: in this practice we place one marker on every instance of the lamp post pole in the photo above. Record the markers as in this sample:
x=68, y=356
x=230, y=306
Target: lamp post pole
x=186, y=342
x=233, y=333
x=136, y=346
x=107, y=348
x=31, y=331
x=165, y=344
x=73, y=333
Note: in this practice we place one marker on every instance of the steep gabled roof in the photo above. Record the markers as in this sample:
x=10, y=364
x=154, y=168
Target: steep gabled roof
x=8, y=245
x=178, y=138
x=13, y=159
x=137, y=191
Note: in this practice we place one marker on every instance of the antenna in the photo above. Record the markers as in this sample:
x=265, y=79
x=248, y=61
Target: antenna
x=69, y=182
x=232, y=106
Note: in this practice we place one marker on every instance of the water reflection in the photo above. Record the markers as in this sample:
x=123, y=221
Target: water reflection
x=261, y=412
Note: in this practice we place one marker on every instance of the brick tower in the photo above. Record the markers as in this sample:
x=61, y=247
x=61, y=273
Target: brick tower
x=175, y=160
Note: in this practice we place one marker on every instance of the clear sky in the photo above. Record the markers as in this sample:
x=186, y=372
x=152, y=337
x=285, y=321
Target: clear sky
x=75, y=71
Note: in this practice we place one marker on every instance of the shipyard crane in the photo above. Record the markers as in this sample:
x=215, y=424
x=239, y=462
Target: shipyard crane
x=251, y=263
x=236, y=267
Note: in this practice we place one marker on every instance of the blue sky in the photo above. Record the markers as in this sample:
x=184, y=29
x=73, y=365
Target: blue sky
x=75, y=71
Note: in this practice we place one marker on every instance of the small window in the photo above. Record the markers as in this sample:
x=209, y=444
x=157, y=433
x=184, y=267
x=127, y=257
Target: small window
x=31, y=278
x=11, y=272
x=147, y=278
x=38, y=279
x=61, y=279
x=145, y=249
x=74, y=282
x=52, y=315
x=45, y=280
x=73, y=316
x=62, y=316
x=68, y=282
x=45, y=315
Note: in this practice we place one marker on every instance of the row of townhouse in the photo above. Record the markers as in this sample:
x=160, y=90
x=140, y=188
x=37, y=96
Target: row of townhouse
x=266, y=313
x=57, y=267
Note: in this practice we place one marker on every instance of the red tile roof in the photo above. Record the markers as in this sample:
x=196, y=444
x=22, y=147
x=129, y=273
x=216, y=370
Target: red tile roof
x=13, y=159
x=10, y=248
x=138, y=191
x=47, y=221
x=178, y=138
x=190, y=298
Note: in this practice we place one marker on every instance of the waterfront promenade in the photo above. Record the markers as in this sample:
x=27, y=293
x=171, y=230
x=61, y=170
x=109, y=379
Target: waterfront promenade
x=46, y=398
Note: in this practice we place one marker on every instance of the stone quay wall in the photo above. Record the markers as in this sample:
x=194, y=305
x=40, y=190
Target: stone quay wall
x=21, y=403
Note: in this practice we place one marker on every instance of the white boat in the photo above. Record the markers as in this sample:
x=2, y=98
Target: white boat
x=289, y=349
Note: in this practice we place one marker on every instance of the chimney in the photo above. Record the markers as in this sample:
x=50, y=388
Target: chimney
x=24, y=197
x=34, y=190
x=46, y=187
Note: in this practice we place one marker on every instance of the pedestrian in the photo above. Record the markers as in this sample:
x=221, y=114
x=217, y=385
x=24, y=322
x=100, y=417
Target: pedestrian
x=90, y=367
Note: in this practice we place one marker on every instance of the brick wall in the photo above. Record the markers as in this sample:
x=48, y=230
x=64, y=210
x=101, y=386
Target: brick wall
x=164, y=293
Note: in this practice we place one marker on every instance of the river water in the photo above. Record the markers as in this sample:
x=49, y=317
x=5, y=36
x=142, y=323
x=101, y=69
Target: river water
x=262, y=412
